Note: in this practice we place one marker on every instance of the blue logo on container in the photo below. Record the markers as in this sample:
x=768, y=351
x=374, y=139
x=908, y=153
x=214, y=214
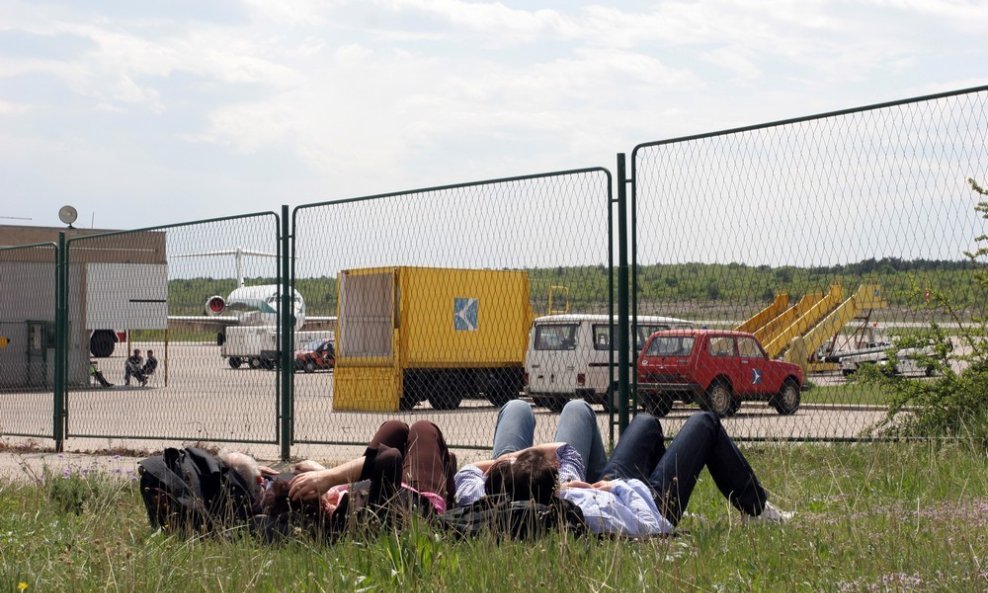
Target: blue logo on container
x=464, y=314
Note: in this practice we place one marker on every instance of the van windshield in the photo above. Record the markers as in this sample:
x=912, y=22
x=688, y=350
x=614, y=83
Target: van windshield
x=555, y=337
x=670, y=346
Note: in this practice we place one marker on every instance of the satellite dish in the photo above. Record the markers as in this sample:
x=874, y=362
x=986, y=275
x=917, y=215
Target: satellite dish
x=67, y=214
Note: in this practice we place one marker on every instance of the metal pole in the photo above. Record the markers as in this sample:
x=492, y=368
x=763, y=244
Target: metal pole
x=61, y=343
x=624, y=342
x=286, y=336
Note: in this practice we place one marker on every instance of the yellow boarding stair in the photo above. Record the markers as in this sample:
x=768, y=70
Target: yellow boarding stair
x=797, y=332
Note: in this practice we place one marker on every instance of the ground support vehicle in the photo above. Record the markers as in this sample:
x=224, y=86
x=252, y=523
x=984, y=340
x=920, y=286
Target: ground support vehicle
x=569, y=357
x=410, y=334
x=796, y=333
x=908, y=361
x=716, y=370
x=257, y=345
x=316, y=355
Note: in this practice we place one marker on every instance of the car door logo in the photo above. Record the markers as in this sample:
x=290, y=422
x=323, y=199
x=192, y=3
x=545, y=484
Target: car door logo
x=756, y=376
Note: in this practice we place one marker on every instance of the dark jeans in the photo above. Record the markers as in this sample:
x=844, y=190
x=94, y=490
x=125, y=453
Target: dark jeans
x=672, y=472
x=416, y=455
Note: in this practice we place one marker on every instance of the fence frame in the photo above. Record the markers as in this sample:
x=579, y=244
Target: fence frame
x=611, y=202
x=633, y=181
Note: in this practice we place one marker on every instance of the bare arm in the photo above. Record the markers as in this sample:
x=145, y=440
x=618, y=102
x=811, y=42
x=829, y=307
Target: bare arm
x=312, y=484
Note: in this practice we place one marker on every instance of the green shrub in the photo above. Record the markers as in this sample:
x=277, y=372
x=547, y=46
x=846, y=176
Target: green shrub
x=955, y=404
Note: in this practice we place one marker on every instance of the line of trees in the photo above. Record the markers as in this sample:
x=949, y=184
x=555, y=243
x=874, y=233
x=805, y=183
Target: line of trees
x=723, y=285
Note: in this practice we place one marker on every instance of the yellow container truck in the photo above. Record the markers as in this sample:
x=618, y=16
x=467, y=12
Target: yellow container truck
x=411, y=334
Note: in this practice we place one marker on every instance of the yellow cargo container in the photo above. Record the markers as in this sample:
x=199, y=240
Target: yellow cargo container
x=409, y=334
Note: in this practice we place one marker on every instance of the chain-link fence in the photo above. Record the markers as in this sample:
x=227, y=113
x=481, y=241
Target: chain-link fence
x=825, y=236
x=434, y=292
x=181, y=323
x=27, y=339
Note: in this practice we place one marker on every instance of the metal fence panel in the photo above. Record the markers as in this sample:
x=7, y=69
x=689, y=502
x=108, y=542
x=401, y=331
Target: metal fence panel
x=816, y=208
x=147, y=290
x=431, y=311
x=27, y=340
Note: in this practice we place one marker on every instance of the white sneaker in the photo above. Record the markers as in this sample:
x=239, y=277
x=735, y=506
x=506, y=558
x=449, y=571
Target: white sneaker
x=771, y=514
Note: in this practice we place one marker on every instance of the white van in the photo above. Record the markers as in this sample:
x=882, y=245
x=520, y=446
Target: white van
x=569, y=356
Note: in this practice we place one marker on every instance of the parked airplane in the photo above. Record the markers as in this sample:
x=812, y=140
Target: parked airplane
x=249, y=305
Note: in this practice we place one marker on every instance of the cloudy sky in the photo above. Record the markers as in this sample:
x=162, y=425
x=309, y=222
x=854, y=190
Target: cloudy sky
x=147, y=113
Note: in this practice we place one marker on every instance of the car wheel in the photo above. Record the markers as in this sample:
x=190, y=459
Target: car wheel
x=657, y=404
x=786, y=402
x=720, y=399
x=254, y=362
x=234, y=362
x=310, y=366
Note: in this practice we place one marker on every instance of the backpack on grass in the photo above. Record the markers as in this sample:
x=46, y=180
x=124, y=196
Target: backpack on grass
x=192, y=489
x=519, y=519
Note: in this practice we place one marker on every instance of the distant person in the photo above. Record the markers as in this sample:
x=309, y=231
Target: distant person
x=98, y=374
x=150, y=366
x=133, y=367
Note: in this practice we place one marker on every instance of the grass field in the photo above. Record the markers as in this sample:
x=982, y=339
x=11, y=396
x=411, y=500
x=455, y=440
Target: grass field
x=851, y=393
x=871, y=517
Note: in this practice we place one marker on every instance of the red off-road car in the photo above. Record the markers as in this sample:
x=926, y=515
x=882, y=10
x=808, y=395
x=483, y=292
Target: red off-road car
x=715, y=369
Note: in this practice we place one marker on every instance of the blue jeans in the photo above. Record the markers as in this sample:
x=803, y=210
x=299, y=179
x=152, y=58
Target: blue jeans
x=672, y=473
x=515, y=430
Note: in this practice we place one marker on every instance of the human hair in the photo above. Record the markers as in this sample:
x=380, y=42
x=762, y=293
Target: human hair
x=529, y=476
x=246, y=466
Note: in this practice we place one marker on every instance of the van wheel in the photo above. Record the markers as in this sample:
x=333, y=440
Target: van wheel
x=719, y=399
x=234, y=362
x=786, y=402
x=254, y=362
x=657, y=404
x=612, y=400
x=555, y=404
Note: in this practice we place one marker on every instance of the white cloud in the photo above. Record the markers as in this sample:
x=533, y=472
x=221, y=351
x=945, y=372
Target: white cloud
x=400, y=92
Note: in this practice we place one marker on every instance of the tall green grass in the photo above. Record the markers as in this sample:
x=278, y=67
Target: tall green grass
x=871, y=517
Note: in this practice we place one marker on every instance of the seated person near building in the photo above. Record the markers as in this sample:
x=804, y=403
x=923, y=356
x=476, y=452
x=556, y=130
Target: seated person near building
x=645, y=487
x=133, y=366
x=150, y=366
x=97, y=374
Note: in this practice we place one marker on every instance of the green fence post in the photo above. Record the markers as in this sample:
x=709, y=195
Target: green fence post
x=286, y=336
x=61, y=343
x=623, y=335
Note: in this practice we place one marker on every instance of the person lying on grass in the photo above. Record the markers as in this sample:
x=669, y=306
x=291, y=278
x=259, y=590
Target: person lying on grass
x=412, y=458
x=404, y=468
x=576, y=454
x=643, y=488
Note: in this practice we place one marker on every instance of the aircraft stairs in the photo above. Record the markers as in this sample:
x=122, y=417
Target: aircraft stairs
x=795, y=333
